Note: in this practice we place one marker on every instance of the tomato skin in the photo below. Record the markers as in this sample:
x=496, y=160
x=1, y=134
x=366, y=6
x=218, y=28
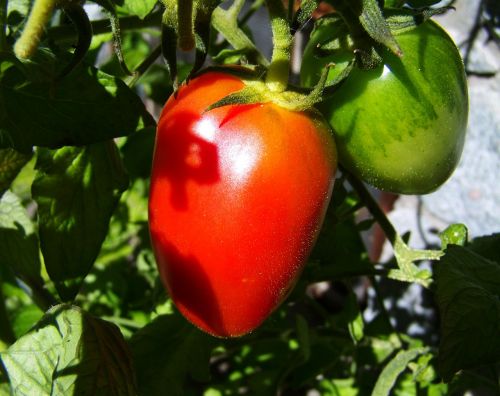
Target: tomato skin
x=400, y=127
x=238, y=195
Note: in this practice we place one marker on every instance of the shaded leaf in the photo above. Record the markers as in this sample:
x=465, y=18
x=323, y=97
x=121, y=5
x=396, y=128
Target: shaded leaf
x=77, y=190
x=11, y=162
x=70, y=352
x=141, y=8
x=468, y=296
x=166, y=352
x=393, y=369
x=24, y=318
x=89, y=107
x=18, y=239
x=487, y=246
x=138, y=153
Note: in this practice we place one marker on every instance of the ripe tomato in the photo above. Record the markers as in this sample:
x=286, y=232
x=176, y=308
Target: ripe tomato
x=400, y=127
x=238, y=195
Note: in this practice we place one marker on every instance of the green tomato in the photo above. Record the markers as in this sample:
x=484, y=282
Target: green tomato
x=401, y=126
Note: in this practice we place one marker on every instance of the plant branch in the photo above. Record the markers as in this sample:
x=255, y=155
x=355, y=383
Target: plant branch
x=40, y=14
x=185, y=24
x=144, y=66
x=405, y=256
x=373, y=207
x=279, y=69
x=226, y=23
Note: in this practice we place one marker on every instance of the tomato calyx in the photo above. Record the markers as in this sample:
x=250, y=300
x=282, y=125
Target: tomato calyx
x=365, y=38
x=258, y=91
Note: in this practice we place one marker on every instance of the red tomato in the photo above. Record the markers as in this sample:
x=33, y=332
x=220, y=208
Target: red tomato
x=238, y=195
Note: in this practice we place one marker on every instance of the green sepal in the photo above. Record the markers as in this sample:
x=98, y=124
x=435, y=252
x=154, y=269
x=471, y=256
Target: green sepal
x=202, y=28
x=363, y=49
x=80, y=20
x=250, y=94
x=404, y=20
x=304, y=13
x=114, y=21
x=169, y=38
x=294, y=99
x=340, y=78
x=373, y=21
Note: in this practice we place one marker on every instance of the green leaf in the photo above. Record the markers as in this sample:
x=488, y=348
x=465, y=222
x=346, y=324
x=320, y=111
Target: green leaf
x=70, y=352
x=355, y=323
x=25, y=318
x=11, y=162
x=77, y=190
x=18, y=240
x=393, y=369
x=468, y=296
x=138, y=153
x=87, y=107
x=339, y=250
x=141, y=8
x=166, y=352
x=303, y=336
x=487, y=246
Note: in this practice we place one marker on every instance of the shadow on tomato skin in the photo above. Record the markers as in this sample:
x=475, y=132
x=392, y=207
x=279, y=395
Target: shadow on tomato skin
x=181, y=156
x=190, y=288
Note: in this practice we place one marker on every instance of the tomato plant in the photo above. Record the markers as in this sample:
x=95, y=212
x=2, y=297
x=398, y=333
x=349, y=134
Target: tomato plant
x=238, y=195
x=141, y=249
x=401, y=126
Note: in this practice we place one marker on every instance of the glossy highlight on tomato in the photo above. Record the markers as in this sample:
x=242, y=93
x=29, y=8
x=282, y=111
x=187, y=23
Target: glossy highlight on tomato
x=400, y=127
x=238, y=195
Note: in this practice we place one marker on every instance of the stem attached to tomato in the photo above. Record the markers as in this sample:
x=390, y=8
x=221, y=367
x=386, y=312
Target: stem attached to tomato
x=185, y=24
x=279, y=69
x=40, y=14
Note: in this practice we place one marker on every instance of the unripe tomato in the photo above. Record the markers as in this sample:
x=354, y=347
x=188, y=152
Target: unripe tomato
x=400, y=127
x=238, y=195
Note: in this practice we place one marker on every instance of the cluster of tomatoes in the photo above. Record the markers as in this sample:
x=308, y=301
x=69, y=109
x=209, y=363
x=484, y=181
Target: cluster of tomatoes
x=239, y=192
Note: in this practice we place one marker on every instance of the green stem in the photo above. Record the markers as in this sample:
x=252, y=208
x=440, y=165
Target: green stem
x=226, y=23
x=405, y=256
x=123, y=322
x=40, y=14
x=185, y=24
x=372, y=205
x=3, y=24
x=144, y=66
x=279, y=69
